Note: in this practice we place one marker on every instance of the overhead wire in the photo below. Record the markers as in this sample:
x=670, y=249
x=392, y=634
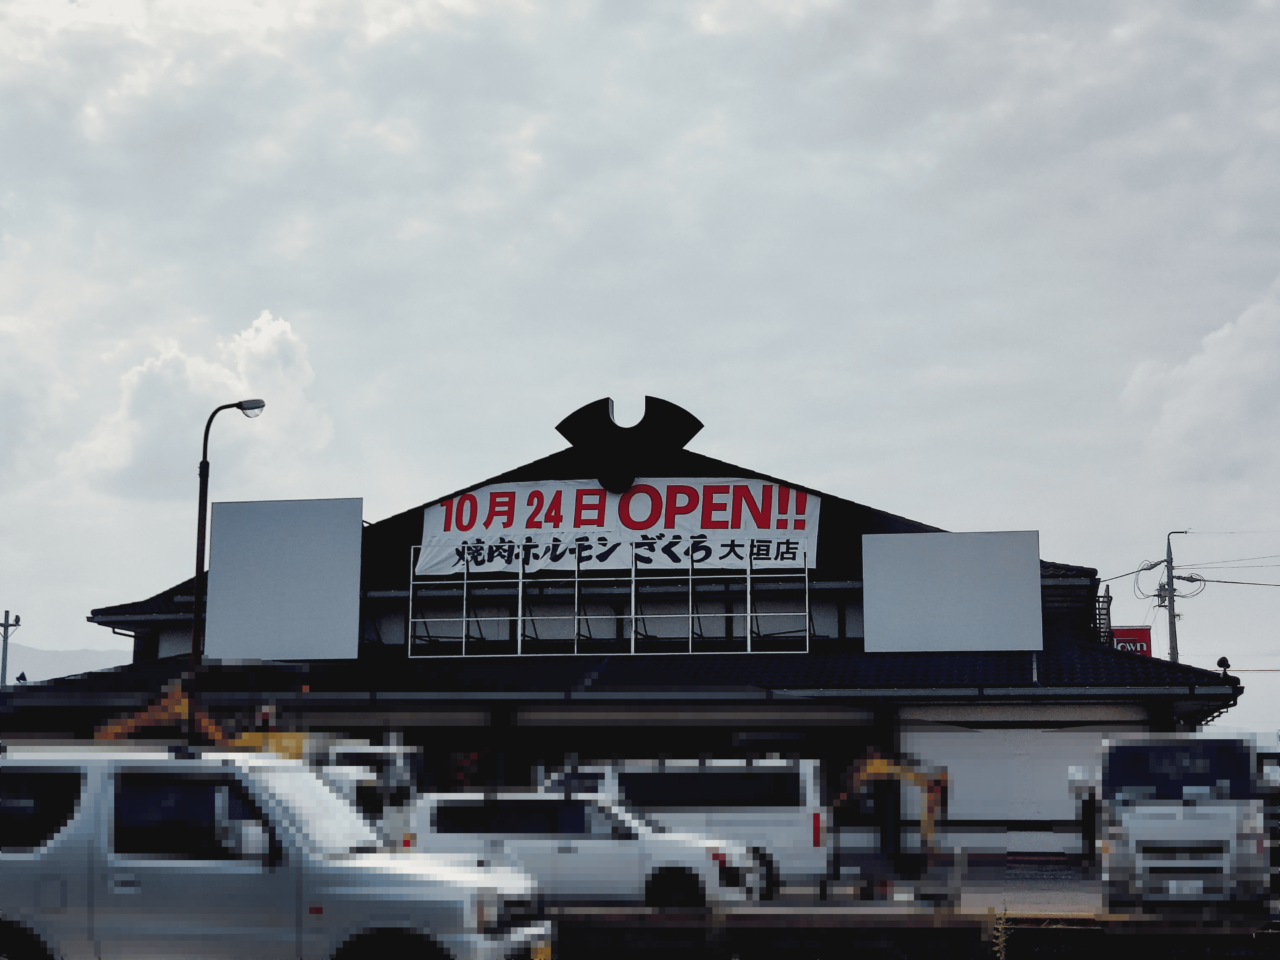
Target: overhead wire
x=1235, y=566
x=1243, y=583
x=1206, y=563
x=1119, y=575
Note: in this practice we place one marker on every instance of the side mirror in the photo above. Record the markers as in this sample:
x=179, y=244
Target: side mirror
x=248, y=840
x=1080, y=782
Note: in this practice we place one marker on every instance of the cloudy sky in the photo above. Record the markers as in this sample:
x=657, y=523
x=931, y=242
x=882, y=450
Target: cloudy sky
x=987, y=265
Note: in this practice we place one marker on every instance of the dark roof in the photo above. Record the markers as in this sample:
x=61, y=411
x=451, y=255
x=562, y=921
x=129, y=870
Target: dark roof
x=600, y=448
x=1063, y=663
x=1051, y=570
x=176, y=600
x=842, y=522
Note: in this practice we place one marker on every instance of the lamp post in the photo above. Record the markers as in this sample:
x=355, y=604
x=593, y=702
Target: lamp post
x=251, y=409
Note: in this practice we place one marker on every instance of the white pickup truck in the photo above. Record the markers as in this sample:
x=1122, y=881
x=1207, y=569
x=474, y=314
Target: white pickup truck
x=127, y=855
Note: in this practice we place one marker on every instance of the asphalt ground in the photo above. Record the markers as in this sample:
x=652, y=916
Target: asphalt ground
x=1043, y=910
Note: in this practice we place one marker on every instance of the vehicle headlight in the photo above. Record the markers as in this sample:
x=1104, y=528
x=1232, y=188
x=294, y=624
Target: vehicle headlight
x=496, y=915
x=730, y=874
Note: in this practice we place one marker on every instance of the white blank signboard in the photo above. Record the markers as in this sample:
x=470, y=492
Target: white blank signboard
x=284, y=580
x=952, y=591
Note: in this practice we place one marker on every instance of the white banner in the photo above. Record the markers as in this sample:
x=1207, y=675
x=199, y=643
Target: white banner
x=558, y=524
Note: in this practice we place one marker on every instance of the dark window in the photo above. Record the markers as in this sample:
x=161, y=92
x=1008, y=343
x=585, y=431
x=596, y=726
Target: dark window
x=1161, y=771
x=579, y=783
x=179, y=816
x=697, y=789
x=528, y=817
x=35, y=804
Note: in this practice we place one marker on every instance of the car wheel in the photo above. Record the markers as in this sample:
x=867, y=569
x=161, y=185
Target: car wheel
x=390, y=945
x=674, y=888
x=19, y=944
x=768, y=874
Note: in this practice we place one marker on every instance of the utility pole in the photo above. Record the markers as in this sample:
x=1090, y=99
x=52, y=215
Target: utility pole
x=4, y=657
x=1169, y=594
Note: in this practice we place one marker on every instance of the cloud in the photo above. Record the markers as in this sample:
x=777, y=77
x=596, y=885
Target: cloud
x=147, y=447
x=908, y=253
x=1216, y=416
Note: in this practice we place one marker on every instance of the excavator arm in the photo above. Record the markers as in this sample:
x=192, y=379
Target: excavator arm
x=931, y=787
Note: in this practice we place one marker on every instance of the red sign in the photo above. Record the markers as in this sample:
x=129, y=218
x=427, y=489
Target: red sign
x=1133, y=639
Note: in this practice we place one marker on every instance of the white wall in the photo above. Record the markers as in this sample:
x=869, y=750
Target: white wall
x=1003, y=775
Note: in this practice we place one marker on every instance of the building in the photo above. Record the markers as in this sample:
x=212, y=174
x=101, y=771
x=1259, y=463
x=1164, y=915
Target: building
x=726, y=619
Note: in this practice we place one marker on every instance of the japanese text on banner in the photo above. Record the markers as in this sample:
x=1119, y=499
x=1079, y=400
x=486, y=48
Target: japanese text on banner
x=720, y=523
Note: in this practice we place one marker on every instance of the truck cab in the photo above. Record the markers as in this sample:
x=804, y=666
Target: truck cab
x=1181, y=827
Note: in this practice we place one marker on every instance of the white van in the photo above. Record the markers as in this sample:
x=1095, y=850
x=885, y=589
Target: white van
x=585, y=849
x=773, y=807
x=134, y=854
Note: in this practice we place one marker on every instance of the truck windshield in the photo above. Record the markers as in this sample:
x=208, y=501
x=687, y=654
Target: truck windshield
x=327, y=821
x=1207, y=769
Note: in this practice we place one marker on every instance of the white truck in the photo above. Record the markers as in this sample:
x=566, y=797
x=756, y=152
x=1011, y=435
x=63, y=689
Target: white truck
x=1180, y=827
x=133, y=854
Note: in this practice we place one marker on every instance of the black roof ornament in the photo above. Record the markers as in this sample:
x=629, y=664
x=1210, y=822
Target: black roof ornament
x=620, y=452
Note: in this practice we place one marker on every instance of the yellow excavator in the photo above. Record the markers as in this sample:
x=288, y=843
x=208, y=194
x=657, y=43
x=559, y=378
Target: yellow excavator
x=175, y=708
x=932, y=787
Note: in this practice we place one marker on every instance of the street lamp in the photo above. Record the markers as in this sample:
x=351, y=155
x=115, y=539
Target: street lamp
x=251, y=409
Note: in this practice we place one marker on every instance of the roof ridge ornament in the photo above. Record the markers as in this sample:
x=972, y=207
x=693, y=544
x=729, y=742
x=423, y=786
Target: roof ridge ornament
x=618, y=451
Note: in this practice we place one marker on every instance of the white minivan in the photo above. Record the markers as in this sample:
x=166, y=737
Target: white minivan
x=585, y=849
x=771, y=806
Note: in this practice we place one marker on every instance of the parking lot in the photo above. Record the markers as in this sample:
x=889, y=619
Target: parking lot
x=1045, y=910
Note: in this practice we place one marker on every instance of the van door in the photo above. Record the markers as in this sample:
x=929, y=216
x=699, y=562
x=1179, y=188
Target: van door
x=191, y=869
x=571, y=848
x=762, y=807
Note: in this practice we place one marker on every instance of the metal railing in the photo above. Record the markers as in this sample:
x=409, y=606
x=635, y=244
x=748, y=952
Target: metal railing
x=664, y=611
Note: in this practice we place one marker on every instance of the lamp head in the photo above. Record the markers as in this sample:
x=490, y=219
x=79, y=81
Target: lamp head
x=251, y=408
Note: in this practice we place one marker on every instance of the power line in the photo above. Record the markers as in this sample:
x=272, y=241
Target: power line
x=1243, y=583
x=1204, y=563
x=1119, y=575
x=1229, y=533
x=1234, y=566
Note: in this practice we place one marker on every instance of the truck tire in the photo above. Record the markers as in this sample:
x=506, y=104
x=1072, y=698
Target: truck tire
x=669, y=888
